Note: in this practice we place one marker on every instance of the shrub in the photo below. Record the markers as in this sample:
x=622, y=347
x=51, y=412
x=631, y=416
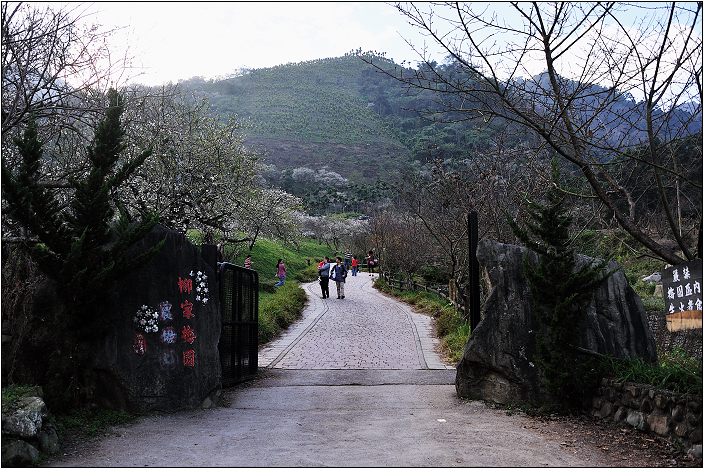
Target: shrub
x=559, y=290
x=676, y=372
x=308, y=274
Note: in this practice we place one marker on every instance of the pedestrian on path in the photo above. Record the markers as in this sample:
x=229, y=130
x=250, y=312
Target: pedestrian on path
x=355, y=266
x=348, y=258
x=371, y=262
x=281, y=273
x=338, y=274
x=248, y=262
x=324, y=273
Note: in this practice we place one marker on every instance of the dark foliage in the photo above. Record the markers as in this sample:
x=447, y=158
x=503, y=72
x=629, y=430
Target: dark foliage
x=559, y=290
x=80, y=247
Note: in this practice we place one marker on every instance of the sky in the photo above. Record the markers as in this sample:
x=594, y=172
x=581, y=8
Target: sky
x=179, y=40
x=172, y=41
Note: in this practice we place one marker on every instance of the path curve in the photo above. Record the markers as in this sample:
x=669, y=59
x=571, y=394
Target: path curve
x=356, y=382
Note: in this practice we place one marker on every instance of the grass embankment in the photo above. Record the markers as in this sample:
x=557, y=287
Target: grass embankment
x=281, y=306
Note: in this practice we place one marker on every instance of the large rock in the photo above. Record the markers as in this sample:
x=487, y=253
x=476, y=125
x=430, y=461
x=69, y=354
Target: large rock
x=25, y=418
x=170, y=362
x=18, y=453
x=498, y=363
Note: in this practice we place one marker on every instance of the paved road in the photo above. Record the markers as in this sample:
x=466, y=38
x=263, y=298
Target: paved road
x=356, y=382
x=363, y=331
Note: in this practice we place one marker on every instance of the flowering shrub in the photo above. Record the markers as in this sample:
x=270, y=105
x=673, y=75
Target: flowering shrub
x=147, y=319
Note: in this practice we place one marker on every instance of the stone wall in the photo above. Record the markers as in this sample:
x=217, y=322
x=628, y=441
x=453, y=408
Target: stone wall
x=668, y=414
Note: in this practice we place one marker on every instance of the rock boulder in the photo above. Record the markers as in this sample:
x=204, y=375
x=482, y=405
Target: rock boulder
x=163, y=354
x=498, y=364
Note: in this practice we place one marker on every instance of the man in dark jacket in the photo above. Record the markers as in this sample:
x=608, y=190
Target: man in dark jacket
x=324, y=272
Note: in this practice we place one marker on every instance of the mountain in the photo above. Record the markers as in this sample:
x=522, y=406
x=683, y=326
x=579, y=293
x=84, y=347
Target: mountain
x=316, y=114
x=330, y=129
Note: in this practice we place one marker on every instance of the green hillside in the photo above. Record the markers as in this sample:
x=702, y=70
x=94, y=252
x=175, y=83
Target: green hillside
x=316, y=114
x=317, y=102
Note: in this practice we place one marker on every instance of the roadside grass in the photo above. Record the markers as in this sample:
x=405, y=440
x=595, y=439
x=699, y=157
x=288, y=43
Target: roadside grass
x=90, y=420
x=279, y=309
x=676, y=371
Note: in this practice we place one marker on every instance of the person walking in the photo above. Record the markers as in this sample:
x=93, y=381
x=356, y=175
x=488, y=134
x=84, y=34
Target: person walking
x=324, y=273
x=338, y=274
x=355, y=266
x=281, y=273
x=248, y=262
x=348, y=258
x=370, y=262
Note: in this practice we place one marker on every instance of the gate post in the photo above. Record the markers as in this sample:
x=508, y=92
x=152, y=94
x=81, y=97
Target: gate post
x=473, y=293
x=210, y=255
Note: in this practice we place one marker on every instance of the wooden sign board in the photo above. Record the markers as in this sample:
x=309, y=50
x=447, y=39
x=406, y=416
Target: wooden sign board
x=682, y=290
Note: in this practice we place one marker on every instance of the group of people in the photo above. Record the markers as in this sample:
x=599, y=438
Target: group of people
x=336, y=272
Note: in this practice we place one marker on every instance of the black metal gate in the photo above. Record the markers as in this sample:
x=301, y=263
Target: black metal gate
x=239, y=339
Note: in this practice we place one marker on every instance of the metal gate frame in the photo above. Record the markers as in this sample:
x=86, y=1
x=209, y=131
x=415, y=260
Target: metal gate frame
x=239, y=335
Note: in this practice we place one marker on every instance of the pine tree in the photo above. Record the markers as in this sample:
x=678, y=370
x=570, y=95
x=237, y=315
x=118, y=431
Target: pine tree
x=560, y=292
x=82, y=248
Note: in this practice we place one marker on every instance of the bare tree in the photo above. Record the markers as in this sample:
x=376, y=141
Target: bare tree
x=601, y=89
x=54, y=65
x=442, y=193
x=402, y=243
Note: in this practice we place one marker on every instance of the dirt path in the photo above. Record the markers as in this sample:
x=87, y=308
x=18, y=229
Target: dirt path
x=356, y=382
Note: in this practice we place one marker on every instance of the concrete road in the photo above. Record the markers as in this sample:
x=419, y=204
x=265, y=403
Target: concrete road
x=356, y=382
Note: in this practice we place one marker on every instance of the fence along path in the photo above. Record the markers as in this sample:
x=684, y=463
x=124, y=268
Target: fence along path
x=364, y=331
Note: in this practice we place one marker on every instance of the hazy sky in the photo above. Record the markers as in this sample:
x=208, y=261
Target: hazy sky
x=179, y=40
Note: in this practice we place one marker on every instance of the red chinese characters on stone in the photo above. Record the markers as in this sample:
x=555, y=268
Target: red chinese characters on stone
x=185, y=285
x=139, y=345
x=188, y=334
x=187, y=307
x=189, y=358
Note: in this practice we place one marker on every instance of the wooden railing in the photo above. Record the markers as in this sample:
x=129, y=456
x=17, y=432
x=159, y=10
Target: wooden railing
x=410, y=285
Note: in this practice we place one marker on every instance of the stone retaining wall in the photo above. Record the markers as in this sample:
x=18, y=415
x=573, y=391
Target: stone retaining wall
x=668, y=414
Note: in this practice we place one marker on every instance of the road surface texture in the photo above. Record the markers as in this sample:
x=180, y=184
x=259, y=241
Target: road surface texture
x=356, y=382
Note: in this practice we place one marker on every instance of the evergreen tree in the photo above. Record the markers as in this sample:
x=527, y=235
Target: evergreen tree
x=560, y=292
x=81, y=247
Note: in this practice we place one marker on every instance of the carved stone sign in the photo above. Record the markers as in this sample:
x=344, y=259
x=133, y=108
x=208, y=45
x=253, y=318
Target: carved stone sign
x=682, y=289
x=163, y=354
